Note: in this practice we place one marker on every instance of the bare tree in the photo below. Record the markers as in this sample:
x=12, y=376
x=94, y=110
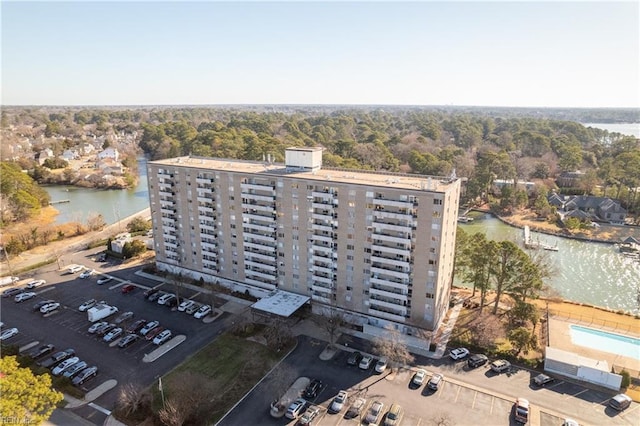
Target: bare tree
x=95, y=222
x=132, y=398
x=173, y=413
x=392, y=347
x=331, y=320
x=278, y=334
x=441, y=419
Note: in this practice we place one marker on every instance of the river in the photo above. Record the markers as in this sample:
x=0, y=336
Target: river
x=593, y=273
x=632, y=129
x=113, y=204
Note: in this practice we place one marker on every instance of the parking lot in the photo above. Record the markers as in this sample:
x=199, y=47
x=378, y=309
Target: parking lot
x=462, y=399
x=67, y=327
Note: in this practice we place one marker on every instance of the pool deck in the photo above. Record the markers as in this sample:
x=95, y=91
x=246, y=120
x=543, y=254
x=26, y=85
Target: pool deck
x=560, y=337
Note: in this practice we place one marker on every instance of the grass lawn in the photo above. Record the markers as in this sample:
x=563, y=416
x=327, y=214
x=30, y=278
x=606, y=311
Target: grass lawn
x=216, y=377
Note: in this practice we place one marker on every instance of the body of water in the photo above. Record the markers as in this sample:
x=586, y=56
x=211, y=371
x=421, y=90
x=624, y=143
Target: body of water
x=632, y=129
x=593, y=273
x=112, y=204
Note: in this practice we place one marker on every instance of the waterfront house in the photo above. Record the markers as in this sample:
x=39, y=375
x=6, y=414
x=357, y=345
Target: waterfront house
x=585, y=207
x=109, y=153
x=70, y=154
x=630, y=245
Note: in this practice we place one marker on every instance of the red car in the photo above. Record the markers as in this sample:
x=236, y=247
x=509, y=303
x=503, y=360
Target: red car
x=128, y=288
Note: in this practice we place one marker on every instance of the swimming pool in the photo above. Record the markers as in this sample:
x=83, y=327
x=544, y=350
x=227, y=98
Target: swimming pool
x=605, y=341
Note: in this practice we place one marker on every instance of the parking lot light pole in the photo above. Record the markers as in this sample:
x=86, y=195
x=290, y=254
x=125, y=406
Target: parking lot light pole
x=161, y=391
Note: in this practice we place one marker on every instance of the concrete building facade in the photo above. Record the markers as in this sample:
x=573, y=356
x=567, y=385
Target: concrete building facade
x=379, y=247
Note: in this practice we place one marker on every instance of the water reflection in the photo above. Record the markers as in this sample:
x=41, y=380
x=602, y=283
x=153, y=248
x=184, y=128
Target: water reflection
x=593, y=273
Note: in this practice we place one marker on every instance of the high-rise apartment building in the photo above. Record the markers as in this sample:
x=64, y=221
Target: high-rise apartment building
x=377, y=246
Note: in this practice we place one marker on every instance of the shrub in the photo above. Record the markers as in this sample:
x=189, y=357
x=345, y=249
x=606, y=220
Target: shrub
x=626, y=379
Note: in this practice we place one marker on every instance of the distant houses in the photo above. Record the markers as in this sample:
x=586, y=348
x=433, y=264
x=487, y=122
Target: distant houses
x=585, y=207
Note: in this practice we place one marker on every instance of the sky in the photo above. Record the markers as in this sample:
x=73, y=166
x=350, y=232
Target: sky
x=527, y=54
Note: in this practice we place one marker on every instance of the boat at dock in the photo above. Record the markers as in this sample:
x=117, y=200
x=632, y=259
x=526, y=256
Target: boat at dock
x=535, y=245
x=465, y=219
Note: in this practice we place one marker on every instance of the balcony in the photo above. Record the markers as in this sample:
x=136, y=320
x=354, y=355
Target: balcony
x=388, y=295
x=323, y=250
x=321, y=228
x=261, y=284
x=259, y=218
x=383, y=314
x=320, y=297
x=396, y=274
x=266, y=276
x=386, y=283
x=388, y=304
x=389, y=215
x=391, y=251
x=322, y=217
x=258, y=207
x=395, y=262
x=269, y=229
x=322, y=194
x=246, y=187
x=323, y=280
x=260, y=239
x=393, y=203
x=322, y=260
x=209, y=247
x=321, y=268
x=260, y=265
x=257, y=248
x=321, y=289
x=380, y=225
x=405, y=239
x=324, y=238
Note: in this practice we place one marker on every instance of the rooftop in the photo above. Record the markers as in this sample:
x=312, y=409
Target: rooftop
x=326, y=174
x=281, y=303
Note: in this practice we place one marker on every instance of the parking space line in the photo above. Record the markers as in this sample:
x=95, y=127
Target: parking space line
x=457, y=394
x=475, y=395
x=580, y=393
x=491, y=408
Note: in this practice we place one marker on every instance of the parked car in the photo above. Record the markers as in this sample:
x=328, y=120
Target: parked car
x=295, y=409
x=365, y=362
x=128, y=288
x=148, y=327
x=620, y=402
x=153, y=333
x=356, y=408
x=374, y=413
x=87, y=273
x=105, y=329
x=162, y=337
x=24, y=296
x=418, y=377
x=136, y=326
x=11, y=292
x=458, y=353
x=150, y=291
x=124, y=317
x=57, y=357
x=8, y=333
x=154, y=296
x=87, y=305
x=308, y=416
x=338, y=402
x=127, y=340
x=113, y=334
x=85, y=375
x=381, y=365
x=542, y=379
x=393, y=416
x=35, y=283
x=202, y=312
x=104, y=280
x=191, y=309
x=434, y=382
x=166, y=296
x=59, y=369
x=185, y=304
x=50, y=307
x=521, y=410
x=40, y=304
x=476, y=360
x=354, y=358
x=96, y=326
x=171, y=302
x=312, y=389
x=41, y=351
x=75, y=369
x=500, y=365
x=570, y=422
x=75, y=269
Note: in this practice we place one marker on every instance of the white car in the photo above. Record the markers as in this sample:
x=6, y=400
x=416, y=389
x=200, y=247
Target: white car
x=59, y=369
x=162, y=337
x=418, y=377
x=105, y=279
x=338, y=402
x=110, y=336
x=24, y=296
x=49, y=307
x=87, y=273
x=148, y=327
x=458, y=353
x=88, y=304
x=75, y=269
x=35, y=283
x=95, y=326
x=202, y=312
x=296, y=408
x=365, y=362
x=185, y=305
x=381, y=365
x=8, y=333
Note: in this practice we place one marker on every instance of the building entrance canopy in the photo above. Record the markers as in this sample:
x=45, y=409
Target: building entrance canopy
x=281, y=303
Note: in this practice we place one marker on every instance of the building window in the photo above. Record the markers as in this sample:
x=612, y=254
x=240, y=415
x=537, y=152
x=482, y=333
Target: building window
x=429, y=295
x=437, y=201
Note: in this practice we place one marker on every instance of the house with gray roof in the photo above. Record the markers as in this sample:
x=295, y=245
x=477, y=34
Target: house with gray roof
x=586, y=207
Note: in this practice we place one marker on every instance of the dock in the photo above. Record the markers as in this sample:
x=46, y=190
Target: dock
x=59, y=202
x=535, y=245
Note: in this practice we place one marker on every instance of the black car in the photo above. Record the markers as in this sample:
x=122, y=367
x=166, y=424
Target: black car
x=354, y=358
x=154, y=296
x=40, y=304
x=136, y=326
x=171, y=302
x=313, y=389
x=124, y=317
x=12, y=291
x=41, y=351
x=476, y=360
x=57, y=357
x=150, y=292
